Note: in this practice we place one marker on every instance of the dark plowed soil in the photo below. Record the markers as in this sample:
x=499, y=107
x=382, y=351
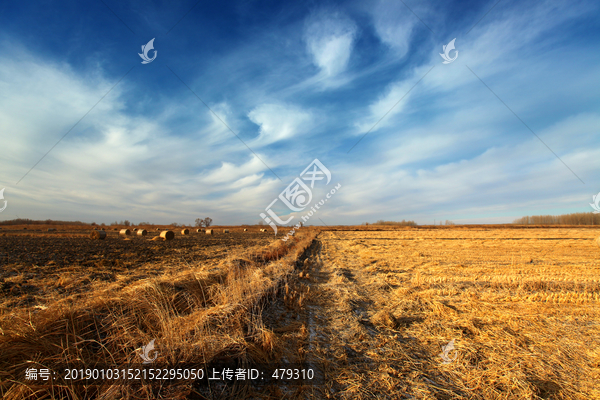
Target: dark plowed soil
x=38, y=267
x=49, y=250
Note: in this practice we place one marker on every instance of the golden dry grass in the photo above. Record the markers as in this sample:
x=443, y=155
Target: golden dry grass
x=522, y=307
x=195, y=311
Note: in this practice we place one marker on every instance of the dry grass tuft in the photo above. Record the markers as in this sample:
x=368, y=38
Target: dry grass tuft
x=385, y=318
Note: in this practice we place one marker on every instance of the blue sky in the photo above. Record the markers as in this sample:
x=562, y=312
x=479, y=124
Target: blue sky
x=294, y=83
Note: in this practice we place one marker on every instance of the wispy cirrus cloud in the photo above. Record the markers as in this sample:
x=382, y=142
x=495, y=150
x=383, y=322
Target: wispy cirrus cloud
x=279, y=122
x=394, y=24
x=330, y=37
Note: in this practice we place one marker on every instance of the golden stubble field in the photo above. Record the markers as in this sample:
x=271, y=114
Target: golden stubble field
x=522, y=306
x=368, y=309
x=68, y=300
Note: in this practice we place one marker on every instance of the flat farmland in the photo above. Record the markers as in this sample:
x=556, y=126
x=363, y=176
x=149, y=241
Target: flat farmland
x=522, y=306
x=66, y=299
x=370, y=310
x=36, y=266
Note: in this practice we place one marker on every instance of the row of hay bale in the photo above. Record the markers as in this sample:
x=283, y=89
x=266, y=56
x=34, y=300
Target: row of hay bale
x=165, y=234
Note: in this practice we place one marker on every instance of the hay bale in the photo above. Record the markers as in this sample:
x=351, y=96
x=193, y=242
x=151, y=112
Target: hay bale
x=125, y=232
x=157, y=229
x=98, y=235
x=142, y=232
x=135, y=229
x=198, y=230
x=209, y=231
x=245, y=230
x=185, y=232
x=225, y=230
x=167, y=235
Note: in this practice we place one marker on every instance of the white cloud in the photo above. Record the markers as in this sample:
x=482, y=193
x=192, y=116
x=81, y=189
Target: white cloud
x=394, y=101
x=394, y=25
x=239, y=174
x=329, y=38
x=278, y=122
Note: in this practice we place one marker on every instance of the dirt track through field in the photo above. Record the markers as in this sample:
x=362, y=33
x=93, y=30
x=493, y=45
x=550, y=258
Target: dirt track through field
x=357, y=359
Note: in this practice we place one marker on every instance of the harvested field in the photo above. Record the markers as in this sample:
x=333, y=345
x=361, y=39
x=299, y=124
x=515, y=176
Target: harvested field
x=66, y=265
x=368, y=310
x=68, y=300
x=522, y=306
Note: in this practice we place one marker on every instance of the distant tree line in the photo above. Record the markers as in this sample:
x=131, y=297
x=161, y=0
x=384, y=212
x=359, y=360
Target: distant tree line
x=402, y=223
x=588, y=218
x=122, y=223
x=26, y=221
